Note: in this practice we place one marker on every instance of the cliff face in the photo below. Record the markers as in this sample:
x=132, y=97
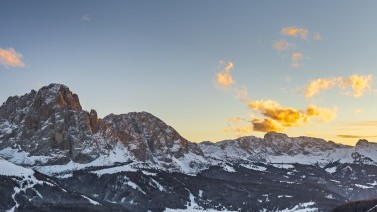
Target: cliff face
x=51, y=126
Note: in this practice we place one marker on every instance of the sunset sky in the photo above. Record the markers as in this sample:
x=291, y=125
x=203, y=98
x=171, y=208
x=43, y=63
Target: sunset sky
x=212, y=69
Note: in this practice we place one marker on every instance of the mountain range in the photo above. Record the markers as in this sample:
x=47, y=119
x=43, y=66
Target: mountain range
x=56, y=156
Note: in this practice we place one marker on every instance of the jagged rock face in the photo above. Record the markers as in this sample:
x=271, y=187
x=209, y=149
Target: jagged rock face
x=147, y=137
x=280, y=143
x=48, y=123
x=51, y=125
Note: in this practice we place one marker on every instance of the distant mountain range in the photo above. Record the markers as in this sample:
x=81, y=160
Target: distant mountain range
x=56, y=156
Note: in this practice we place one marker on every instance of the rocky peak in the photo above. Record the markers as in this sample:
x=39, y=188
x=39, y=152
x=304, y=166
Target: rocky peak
x=148, y=137
x=275, y=136
x=362, y=142
x=48, y=122
x=58, y=94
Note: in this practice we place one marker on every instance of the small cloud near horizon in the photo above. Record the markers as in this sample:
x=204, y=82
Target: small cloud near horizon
x=357, y=136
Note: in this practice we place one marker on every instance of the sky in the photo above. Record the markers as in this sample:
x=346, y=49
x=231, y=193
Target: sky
x=212, y=69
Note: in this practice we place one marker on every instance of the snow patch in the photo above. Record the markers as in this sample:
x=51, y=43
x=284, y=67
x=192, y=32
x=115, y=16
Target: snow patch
x=228, y=168
x=283, y=166
x=331, y=170
x=254, y=167
x=363, y=186
x=10, y=169
x=302, y=207
x=91, y=201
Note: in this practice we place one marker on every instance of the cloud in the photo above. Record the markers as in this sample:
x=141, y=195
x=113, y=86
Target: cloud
x=318, y=85
x=296, y=57
x=317, y=37
x=324, y=114
x=283, y=44
x=267, y=125
x=295, y=32
x=275, y=116
x=357, y=136
x=236, y=120
x=86, y=18
x=242, y=130
x=224, y=79
x=286, y=116
x=10, y=58
x=358, y=126
x=358, y=110
x=280, y=117
x=359, y=84
x=240, y=92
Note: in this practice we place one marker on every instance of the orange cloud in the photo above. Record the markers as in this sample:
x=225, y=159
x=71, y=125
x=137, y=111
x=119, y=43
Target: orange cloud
x=318, y=85
x=242, y=130
x=296, y=57
x=357, y=136
x=281, y=45
x=236, y=119
x=9, y=57
x=324, y=114
x=267, y=125
x=286, y=116
x=358, y=83
x=295, y=31
x=280, y=117
x=224, y=78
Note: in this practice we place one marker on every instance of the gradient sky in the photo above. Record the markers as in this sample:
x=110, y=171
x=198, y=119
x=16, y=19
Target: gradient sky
x=164, y=57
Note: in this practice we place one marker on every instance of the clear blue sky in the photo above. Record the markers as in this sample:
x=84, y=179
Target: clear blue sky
x=163, y=57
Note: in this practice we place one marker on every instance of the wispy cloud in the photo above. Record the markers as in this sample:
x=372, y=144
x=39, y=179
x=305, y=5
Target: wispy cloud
x=317, y=37
x=236, y=120
x=295, y=32
x=11, y=58
x=283, y=44
x=359, y=84
x=296, y=58
x=242, y=130
x=85, y=18
x=318, y=85
x=357, y=136
x=358, y=110
x=224, y=79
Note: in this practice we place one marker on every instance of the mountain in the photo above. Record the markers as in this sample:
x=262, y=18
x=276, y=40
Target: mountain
x=56, y=156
